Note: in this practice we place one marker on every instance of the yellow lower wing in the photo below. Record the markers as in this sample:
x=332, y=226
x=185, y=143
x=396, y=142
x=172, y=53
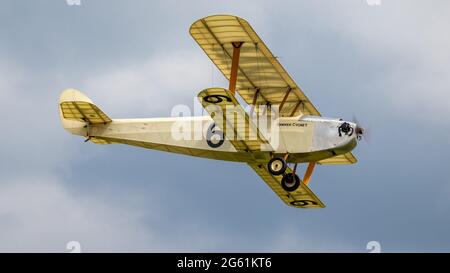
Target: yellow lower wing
x=219, y=102
x=303, y=197
x=347, y=158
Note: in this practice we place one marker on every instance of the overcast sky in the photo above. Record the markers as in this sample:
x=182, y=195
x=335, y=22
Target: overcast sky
x=389, y=65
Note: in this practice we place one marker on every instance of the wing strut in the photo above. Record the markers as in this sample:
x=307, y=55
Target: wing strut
x=309, y=172
x=234, y=66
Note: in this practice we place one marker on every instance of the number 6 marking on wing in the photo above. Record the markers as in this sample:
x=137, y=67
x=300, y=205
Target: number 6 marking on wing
x=302, y=203
x=213, y=132
x=216, y=99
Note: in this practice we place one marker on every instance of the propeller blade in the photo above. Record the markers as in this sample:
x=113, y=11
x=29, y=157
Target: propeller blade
x=362, y=132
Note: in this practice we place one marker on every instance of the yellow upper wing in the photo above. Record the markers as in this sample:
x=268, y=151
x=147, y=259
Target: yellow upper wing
x=259, y=70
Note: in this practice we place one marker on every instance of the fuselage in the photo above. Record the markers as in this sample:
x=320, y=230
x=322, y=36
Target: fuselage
x=305, y=138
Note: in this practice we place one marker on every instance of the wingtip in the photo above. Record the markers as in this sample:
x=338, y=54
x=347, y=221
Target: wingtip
x=214, y=17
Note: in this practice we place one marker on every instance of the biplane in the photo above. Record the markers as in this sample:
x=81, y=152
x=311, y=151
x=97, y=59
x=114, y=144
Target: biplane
x=257, y=79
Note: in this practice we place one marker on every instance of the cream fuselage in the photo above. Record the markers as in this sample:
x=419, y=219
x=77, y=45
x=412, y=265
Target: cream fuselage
x=304, y=138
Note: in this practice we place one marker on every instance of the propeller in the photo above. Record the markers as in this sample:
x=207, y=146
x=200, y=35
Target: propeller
x=361, y=132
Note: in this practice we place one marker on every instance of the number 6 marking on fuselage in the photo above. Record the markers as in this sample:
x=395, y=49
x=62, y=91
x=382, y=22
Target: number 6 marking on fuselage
x=212, y=132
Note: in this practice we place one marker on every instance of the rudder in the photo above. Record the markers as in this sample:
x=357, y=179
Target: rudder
x=78, y=112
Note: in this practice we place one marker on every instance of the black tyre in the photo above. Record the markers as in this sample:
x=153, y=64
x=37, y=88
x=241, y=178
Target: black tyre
x=290, y=182
x=277, y=166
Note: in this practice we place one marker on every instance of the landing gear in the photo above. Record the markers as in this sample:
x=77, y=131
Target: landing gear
x=290, y=182
x=277, y=166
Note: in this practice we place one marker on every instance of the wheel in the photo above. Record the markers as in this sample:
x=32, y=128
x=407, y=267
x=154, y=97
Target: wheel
x=290, y=182
x=277, y=166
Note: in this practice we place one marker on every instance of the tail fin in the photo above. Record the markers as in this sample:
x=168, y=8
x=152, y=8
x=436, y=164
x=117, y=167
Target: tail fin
x=77, y=112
